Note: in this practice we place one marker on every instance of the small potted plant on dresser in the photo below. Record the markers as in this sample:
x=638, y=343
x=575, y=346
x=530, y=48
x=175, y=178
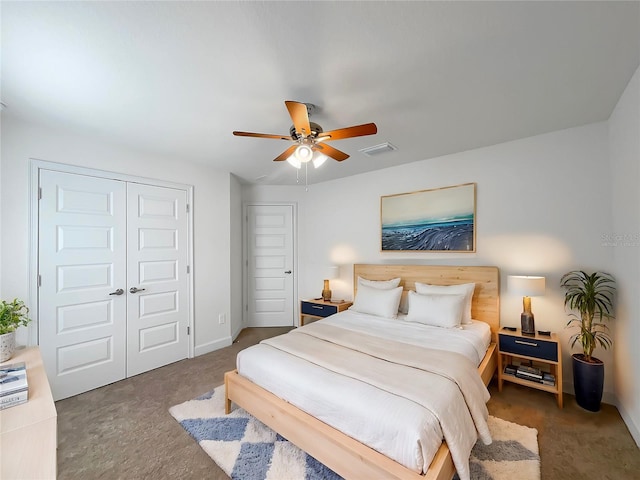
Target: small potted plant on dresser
x=591, y=295
x=12, y=315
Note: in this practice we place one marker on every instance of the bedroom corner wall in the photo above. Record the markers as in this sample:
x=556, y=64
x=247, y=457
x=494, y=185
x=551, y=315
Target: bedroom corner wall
x=537, y=214
x=22, y=141
x=1, y=115
x=624, y=153
x=235, y=237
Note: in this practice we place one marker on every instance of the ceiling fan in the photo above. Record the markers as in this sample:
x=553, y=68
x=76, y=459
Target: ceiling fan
x=309, y=140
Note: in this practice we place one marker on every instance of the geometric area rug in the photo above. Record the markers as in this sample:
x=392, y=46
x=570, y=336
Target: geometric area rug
x=246, y=449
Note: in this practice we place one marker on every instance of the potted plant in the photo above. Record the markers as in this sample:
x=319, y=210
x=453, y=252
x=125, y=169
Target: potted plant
x=12, y=315
x=591, y=295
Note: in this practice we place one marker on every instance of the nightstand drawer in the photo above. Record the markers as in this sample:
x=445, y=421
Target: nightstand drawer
x=308, y=308
x=530, y=347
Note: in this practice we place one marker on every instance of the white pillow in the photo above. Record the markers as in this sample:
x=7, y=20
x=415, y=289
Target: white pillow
x=374, y=301
x=436, y=310
x=465, y=289
x=379, y=284
x=385, y=285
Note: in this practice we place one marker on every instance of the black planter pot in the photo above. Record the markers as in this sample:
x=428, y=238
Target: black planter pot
x=588, y=382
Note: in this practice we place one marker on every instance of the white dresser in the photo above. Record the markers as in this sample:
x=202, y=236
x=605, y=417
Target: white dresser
x=28, y=432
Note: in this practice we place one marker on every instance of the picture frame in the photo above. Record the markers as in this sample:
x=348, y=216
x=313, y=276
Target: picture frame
x=435, y=220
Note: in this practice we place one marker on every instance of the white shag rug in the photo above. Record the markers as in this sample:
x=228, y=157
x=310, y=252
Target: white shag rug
x=246, y=449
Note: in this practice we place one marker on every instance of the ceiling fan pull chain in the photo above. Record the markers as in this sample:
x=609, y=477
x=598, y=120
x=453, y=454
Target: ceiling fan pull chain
x=306, y=177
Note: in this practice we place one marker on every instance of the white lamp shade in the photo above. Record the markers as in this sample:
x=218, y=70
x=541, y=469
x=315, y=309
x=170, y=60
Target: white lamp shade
x=293, y=160
x=526, y=286
x=319, y=159
x=303, y=153
x=331, y=272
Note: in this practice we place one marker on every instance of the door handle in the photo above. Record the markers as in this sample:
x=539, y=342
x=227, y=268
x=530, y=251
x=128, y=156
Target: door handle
x=136, y=289
x=117, y=292
x=288, y=272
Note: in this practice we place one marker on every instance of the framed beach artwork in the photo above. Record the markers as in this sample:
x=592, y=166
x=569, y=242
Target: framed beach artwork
x=438, y=220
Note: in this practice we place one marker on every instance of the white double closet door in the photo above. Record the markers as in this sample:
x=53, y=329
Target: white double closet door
x=113, y=299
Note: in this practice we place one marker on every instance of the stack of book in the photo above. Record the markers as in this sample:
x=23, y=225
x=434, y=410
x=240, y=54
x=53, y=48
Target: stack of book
x=13, y=385
x=548, y=379
x=530, y=373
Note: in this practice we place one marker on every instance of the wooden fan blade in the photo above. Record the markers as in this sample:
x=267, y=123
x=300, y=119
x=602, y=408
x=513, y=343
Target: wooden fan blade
x=349, y=132
x=286, y=154
x=261, y=135
x=300, y=117
x=329, y=151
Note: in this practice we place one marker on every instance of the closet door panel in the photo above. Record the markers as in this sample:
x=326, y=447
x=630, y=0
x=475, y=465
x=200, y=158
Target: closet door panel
x=82, y=263
x=158, y=295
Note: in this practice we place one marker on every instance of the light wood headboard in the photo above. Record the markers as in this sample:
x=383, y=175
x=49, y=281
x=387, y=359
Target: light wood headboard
x=485, y=304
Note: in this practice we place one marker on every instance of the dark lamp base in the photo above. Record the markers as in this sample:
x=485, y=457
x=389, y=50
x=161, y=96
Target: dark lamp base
x=527, y=325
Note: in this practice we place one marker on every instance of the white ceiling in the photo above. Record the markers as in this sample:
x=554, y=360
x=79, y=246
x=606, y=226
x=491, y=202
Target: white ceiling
x=176, y=78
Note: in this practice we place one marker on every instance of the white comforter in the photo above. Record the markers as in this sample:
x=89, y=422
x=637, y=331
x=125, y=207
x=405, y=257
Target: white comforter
x=374, y=380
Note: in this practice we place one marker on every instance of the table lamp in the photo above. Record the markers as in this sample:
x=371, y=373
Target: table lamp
x=330, y=273
x=527, y=287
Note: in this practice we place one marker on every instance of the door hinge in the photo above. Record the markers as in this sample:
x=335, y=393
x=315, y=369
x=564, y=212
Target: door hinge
x=188, y=330
x=187, y=208
x=188, y=269
x=39, y=280
x=39, y=193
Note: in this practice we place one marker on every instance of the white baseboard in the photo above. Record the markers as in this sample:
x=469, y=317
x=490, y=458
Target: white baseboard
x=235, y=334
x=628, y=420
x=212, y=346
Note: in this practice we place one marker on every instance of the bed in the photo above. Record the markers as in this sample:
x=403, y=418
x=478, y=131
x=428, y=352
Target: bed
x=344, y=454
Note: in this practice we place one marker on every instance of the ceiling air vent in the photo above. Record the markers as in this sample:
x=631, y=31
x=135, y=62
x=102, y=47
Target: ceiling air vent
x=378, y=149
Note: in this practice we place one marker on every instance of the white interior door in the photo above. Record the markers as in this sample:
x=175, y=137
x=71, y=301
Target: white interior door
x=270, y=265
x=82, y=266
x=158, y=289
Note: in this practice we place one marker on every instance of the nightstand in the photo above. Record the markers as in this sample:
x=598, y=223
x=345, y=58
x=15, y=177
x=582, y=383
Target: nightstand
x=542, y=351
x=320, y=309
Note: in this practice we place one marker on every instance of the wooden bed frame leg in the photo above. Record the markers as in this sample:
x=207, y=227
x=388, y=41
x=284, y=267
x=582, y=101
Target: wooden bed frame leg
x=227, y=402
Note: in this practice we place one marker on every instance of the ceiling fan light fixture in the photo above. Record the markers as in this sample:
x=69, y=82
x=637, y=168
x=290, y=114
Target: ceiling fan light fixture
x=303, y=153
x=308, y=137
x=293, y=160
x=319, y=159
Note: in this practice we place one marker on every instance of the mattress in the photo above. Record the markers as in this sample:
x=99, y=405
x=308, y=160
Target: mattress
x=396, y=386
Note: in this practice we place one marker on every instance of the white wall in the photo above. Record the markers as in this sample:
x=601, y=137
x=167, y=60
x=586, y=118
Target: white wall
x=1, y=297
x=211, y=209
x=235, y=236
x=542, y=209
x=624, y=152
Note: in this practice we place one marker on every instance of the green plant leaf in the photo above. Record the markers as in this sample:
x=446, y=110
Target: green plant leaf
x=13, y=314
x=592, y=296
